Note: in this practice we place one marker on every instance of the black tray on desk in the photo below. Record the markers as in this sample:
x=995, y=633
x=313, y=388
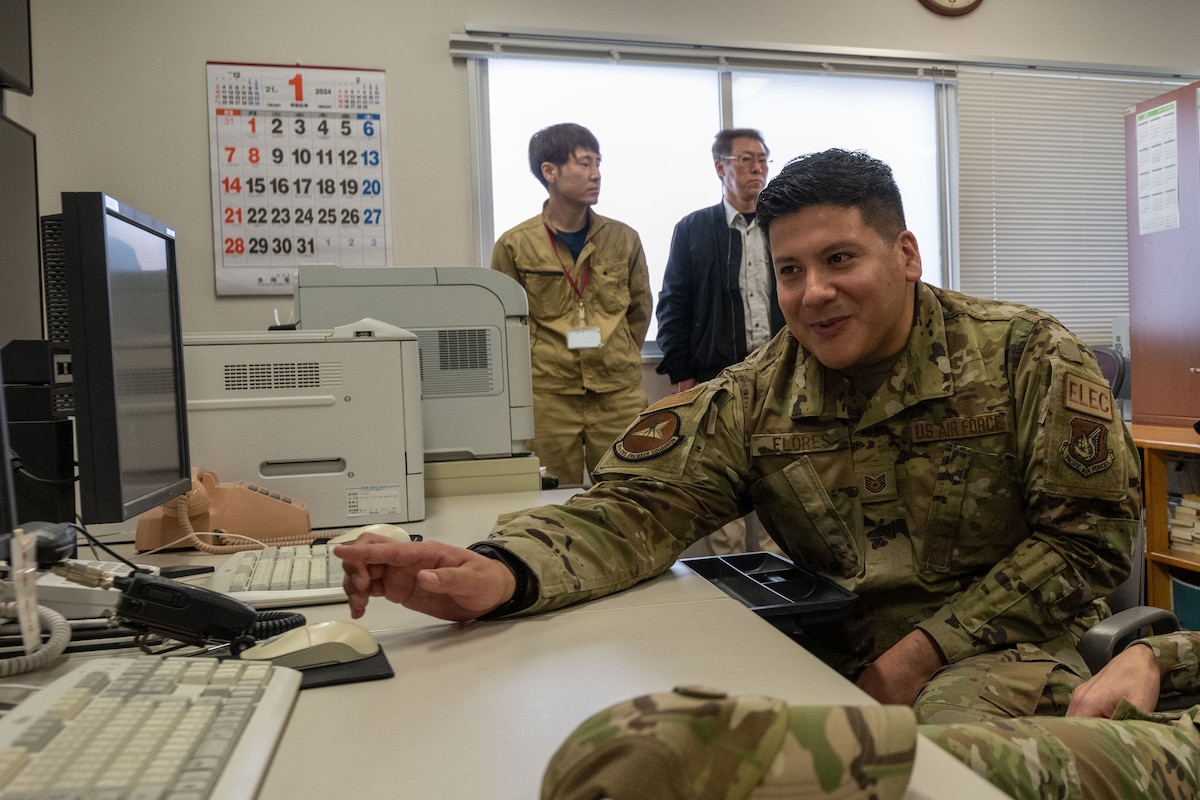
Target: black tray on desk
x=775, y=588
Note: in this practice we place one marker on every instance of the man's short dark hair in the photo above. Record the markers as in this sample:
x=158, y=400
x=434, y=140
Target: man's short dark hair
x=557, y=144
x=723, y=141
x=840, y=178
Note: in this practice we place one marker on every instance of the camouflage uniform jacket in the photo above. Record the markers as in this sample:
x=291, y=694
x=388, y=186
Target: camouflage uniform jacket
x=610, y=272
x=987, y=493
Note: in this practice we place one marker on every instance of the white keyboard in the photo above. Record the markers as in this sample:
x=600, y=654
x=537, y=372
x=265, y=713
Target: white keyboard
x=147, y=727
x=276, y=577
x=73, y=600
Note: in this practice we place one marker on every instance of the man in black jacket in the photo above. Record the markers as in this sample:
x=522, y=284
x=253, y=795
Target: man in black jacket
x=718, y=297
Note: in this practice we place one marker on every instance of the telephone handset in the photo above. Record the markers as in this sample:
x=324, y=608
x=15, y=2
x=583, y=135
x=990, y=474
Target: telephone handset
x=213, y=507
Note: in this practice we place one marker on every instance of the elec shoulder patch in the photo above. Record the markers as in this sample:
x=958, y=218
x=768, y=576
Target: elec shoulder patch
x=652, y=435
x=1087, y=396
x=1087, y=451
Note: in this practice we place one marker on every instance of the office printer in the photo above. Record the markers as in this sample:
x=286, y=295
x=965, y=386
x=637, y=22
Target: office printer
x=331, y=417
x=473, y=332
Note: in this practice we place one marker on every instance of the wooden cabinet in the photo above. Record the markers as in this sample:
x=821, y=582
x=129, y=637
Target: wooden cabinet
x=1162, y=176
x=1158, y=444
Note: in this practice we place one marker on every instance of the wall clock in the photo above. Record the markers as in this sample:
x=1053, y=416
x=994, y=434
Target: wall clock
x=951, y=8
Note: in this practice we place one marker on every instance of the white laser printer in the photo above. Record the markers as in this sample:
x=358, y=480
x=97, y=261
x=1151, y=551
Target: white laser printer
x=331, y=417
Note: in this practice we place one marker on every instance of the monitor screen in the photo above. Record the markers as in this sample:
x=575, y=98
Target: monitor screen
x=127, y=358
x=20, y=272
x=16, y=64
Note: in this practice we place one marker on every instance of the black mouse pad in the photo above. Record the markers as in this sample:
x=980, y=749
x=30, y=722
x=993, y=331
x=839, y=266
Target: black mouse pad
x=373, y=668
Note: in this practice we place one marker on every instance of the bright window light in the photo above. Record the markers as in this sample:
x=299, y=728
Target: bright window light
x=656, y=124
x=893, y=120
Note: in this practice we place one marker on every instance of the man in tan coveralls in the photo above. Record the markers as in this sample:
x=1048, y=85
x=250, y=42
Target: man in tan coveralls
x=589, y=306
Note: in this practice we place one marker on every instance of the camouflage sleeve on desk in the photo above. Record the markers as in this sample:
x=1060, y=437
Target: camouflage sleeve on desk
x=651, y=503
x=1080, y=475
x=1178, y=657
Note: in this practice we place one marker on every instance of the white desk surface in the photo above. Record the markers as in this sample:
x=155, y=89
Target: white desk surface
x=476, y=710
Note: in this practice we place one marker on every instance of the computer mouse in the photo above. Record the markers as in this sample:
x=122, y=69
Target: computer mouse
x=317, y=645
x=394, y=532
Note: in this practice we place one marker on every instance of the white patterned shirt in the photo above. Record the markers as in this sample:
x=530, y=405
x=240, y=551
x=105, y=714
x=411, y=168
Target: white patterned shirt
x=755, y=277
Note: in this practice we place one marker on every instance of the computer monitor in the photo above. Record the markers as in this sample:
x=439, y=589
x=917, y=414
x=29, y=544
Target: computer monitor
x=127, y=358
x=16, y=63
x=20, y=272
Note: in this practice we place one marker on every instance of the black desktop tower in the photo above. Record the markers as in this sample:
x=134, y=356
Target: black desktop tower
x=38, y=394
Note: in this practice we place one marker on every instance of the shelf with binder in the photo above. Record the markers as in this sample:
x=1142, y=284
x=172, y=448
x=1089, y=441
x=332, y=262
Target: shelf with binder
x=1160, y=446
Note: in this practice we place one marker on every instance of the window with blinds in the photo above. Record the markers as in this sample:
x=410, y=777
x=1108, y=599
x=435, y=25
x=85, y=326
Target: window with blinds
x=656, y=108
x=1027, y=162
x=1041, y=191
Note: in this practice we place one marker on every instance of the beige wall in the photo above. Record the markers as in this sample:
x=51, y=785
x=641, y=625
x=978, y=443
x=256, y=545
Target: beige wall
x=120, y=105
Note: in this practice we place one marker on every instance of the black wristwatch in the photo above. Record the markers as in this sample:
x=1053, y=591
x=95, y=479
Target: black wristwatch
x=525, y=593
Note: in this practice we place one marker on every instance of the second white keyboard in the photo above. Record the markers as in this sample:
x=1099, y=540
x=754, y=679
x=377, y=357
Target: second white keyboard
x=276, y=577
x=147, y=727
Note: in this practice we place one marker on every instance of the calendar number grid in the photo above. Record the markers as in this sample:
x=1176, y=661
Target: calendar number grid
x=299, y=173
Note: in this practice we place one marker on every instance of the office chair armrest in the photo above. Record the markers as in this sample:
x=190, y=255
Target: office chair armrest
x=1108, y=637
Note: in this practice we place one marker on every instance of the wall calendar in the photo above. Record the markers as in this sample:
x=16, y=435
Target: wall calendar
x=299, y=172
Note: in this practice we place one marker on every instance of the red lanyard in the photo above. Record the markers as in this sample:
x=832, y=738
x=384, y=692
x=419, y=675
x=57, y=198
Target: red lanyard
x=587, y=268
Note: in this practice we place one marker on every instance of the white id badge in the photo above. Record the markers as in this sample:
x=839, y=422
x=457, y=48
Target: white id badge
x=582, y=338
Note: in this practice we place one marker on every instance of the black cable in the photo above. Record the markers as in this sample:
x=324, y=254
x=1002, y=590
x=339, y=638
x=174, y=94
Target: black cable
x=273, y=623
x=24, y=473
x=18, y=468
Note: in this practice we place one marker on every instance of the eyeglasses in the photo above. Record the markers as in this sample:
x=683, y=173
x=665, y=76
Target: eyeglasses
x=748, y=161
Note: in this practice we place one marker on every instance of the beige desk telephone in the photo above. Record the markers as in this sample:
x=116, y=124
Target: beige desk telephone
x=213, y=507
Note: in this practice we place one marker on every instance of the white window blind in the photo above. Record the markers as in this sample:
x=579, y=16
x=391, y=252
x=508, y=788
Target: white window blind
x=1041, y=191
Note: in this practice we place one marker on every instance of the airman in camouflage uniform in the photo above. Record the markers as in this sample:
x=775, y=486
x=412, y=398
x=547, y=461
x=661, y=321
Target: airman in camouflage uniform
x=958, y=463
x=986, y=494
x=949, y=504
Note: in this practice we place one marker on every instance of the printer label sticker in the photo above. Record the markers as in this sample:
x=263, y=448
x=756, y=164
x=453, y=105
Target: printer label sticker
x=365, y=501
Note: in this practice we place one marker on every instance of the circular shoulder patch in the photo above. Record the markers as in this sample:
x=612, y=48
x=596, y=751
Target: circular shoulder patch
x=652, y=435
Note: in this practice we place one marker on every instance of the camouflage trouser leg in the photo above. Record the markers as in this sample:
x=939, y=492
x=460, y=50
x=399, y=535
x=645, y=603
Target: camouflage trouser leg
x=1081, y=759
x=1023, y=681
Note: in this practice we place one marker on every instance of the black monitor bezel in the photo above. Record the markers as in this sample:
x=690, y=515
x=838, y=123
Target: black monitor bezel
x=23, y=304
x=19, y=21
x=85, y=217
